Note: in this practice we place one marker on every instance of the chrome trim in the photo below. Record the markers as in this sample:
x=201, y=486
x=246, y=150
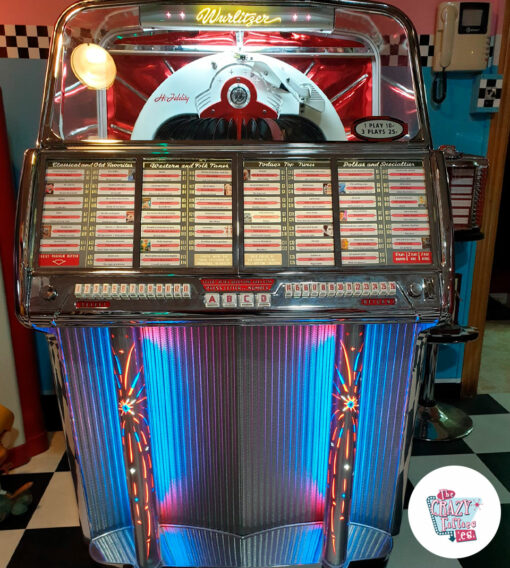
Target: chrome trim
x=382, y=150
x=188, y=50
x=169, y=66
x=349, y=87
x=131, y=88
x=85, y=129
x=481, y=165
x=120, y=129
x=409, y=419
x=64, y=405
x=69, y=89
x=102, y=114
x=115, y=548
x=445, y=224
x=24, y=232
x=309, y=68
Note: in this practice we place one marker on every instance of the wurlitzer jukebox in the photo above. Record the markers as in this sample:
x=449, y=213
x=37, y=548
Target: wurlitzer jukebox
x=233, y=233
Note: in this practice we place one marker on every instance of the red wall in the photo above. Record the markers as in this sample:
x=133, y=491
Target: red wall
x=46, y=12
x=37, y=12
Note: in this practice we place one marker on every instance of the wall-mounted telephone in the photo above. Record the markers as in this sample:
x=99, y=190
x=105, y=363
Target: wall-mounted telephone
x=462, y=41
x=462, y=36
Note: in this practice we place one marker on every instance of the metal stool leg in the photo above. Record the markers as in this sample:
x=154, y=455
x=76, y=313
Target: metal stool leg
x=438, y=421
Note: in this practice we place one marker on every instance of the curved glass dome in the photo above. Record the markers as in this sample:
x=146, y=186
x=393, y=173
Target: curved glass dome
x=288, y=72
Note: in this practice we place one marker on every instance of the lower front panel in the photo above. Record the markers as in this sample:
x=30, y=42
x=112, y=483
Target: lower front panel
x=215, y=446
x=239, y=429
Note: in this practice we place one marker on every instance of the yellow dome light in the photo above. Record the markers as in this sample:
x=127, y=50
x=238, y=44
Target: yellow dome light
x=93, y=66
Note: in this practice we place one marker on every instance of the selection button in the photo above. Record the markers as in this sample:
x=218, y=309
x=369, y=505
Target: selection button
x=212, y=300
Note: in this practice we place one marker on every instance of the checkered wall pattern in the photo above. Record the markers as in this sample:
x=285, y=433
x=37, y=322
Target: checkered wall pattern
x=426, y=50
x=489, y=93
x=24, y=42
x=394, y=51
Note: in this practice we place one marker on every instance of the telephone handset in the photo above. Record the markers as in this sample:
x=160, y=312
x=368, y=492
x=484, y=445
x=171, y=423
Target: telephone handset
x=449, y=19
x=462, y=36
x=461, y=43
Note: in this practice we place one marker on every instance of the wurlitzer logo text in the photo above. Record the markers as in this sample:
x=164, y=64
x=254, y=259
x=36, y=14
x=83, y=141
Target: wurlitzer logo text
x=453, y=516
x=216, y=16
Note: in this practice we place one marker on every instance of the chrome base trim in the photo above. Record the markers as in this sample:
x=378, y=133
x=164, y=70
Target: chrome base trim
x=282, y=546
x=442, y=423
x=115, y=548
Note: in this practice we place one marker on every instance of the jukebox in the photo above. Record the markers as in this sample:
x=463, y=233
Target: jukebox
x=234, y=234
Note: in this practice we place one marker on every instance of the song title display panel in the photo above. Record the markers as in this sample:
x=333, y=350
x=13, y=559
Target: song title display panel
x=88, y=215
x=186, y=218
x=384, y=215
x=178, y=213
x=288, y=213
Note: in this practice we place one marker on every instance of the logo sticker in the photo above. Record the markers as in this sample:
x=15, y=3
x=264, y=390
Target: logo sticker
x=454, y=512
x=453, y=516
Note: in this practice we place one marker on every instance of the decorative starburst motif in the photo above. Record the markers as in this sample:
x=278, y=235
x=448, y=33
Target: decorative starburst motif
x=136, y=441
x=126, y=406
x=344, y=425
x=351, y=404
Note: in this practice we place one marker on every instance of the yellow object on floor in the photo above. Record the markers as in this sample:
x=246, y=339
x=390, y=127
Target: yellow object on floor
x=6, y=422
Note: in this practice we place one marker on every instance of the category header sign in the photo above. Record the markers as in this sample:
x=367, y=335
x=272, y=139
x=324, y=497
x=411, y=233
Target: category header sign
x=236, y=17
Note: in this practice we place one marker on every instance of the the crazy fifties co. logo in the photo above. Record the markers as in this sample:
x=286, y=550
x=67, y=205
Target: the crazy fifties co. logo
x=453, y=516
x=454, y=511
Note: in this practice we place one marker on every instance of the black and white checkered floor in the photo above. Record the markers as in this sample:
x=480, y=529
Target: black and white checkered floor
x=48, y=535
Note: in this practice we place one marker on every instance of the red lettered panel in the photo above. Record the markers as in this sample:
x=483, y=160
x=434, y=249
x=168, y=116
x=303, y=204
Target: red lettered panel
x=58, y=260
